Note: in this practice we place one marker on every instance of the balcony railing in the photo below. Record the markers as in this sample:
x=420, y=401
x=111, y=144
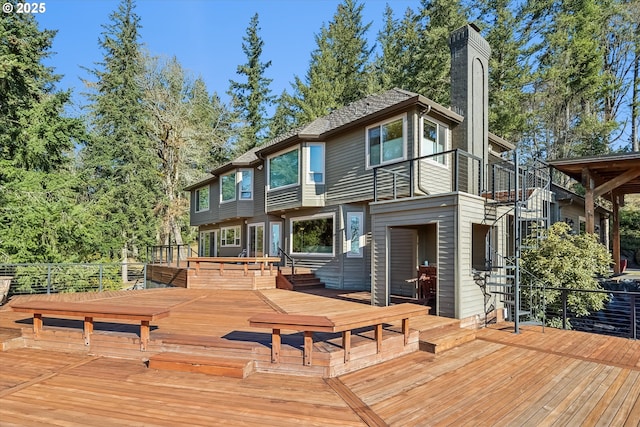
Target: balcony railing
x=441, y=173
x=170, y=255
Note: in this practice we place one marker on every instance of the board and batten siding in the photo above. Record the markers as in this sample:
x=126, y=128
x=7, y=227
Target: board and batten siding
x=440, y=210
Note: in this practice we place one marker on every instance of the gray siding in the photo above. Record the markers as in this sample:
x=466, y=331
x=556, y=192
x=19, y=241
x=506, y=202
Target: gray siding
x=348, y=180
x=206, y=217
x=439, y=210
x=434, y=178
x=259, y=191
x=286, y=198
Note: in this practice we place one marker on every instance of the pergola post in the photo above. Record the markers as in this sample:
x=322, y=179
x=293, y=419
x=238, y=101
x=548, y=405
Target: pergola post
x=617, y=200
x=589, y=200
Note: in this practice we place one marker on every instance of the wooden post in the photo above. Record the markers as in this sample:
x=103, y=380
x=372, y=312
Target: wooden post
x=275, y=346
x=589, y=200
x=308, y=347
x=88, y=330
x=405, y=330
x=346, y=345
x=379, y=338
x=37, y=324
x=246, y=268
x=615, y=233
x=144, y=334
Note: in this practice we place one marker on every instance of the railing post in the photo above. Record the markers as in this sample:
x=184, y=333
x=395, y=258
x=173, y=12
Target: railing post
x=100, y=280
x=375, y=184
x=411, y=184
x=565, y=295
x=170, y=255
x=48, y=279
x=634, y=320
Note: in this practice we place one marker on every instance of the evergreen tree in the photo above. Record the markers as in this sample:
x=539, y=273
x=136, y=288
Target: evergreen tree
x=40, y=218
x=251, y=98
x=571, y=82
x=508, y=71
x=437, y=19
x=119, y=160
x=284, y=117
x=337, y=73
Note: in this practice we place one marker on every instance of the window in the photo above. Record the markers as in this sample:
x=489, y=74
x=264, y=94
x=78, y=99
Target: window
x=283, y=169
x=275, y=234
x=386, y=142
x=312, y=235
x=228, y=187
x=354, y=235
x=434, y=140
x=315, y=163
x=230, y=236
x=246, y=184
x=202, y=199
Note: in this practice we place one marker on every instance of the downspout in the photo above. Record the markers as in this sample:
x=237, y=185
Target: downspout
x=422, y=114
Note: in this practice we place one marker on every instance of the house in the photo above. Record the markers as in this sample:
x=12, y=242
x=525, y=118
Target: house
x=370, y=192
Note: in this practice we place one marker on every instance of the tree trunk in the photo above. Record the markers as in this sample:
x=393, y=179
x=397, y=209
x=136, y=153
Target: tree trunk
x=125, y=272
x=635, y=87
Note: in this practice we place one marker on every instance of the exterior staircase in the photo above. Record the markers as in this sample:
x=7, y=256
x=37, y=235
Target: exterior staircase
x=303, y=279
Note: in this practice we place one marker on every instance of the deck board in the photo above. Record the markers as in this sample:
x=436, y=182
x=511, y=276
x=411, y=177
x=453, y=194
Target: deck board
x=537, y=377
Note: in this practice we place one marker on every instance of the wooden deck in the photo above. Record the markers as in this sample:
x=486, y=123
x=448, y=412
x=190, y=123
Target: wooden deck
x=530, y=379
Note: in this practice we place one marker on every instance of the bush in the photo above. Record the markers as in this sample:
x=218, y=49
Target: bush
x=565, y=260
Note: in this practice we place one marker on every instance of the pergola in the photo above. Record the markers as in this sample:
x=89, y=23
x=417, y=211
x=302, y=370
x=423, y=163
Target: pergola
x=610, y=177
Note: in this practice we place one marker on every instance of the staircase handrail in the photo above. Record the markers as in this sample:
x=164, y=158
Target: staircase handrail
x=285, y=256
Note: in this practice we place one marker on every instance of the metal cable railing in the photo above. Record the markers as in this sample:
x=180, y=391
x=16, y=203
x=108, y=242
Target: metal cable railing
x=49, y=278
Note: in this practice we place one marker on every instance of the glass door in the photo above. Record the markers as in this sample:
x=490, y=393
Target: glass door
x=208, y=243
x=255, y=238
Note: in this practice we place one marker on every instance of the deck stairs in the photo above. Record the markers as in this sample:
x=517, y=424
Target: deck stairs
x=210, y=365
x=444, y=334
x=303, y=279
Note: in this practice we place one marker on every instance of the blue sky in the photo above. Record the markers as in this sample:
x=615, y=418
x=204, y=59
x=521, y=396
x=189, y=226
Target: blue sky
x=205, y=35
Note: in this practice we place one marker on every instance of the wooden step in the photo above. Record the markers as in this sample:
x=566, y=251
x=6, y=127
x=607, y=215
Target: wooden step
x=10, y=338
x=219, y=366
x=442, y=339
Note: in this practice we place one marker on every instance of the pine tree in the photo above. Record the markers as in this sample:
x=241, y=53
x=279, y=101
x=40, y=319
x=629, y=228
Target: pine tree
x=251, y=98
x=119, y=160
x=40, y=217
x=337, y=73
x=437, y=19
x=508, y=72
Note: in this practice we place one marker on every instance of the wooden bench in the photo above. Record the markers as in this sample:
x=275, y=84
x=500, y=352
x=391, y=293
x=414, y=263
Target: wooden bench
x=89, y=311
x=345, y=323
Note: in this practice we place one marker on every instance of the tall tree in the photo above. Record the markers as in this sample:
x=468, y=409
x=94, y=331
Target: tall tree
x=119, y=160
x=181, y=126
x=509, y=73
x=252, y=97
x=438, y=18
x=337, y=73
x=39, y=211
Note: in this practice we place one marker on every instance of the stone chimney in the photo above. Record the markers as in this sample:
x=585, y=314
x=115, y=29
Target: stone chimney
x=470, y=89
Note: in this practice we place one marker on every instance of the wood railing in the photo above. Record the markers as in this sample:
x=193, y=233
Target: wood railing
x=219, y=263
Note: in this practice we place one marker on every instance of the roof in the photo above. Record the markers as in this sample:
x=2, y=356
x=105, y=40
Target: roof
x=621, y=172
x=364, y=109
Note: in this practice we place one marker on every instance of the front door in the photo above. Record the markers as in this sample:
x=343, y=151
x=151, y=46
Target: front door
x=255, y=243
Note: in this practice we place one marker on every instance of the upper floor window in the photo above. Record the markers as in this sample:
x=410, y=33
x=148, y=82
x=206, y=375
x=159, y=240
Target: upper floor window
x=246, y=184
x=202, y=199
x=284, y=169
x=230, y=236
x=315, y=163
x=434, y=140
x=228, y=187
x=387, y=141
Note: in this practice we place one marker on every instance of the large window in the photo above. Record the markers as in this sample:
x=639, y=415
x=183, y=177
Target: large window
x=315, y=163
x=283, y=169
x=386, y=142
x=230, y=236
x=312, y=235
x=434, y=140
x=246, y=184
x=202, y=199
x=228, y=187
